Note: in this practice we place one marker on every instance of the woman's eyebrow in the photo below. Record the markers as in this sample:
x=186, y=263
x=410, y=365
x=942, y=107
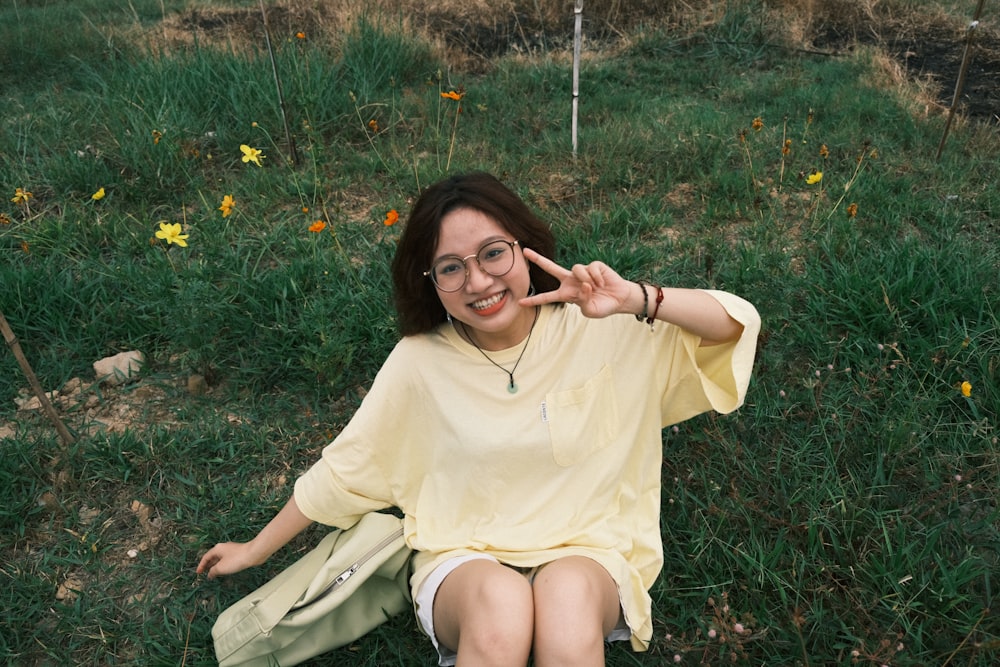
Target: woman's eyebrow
x=486, y=242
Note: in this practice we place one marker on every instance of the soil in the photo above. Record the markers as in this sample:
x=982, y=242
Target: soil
x=933, y=51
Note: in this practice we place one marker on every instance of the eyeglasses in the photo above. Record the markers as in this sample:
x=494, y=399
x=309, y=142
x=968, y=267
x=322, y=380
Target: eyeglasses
x=452, y=272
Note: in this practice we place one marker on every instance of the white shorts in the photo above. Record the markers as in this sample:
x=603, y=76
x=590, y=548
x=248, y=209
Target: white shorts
x=424, y=603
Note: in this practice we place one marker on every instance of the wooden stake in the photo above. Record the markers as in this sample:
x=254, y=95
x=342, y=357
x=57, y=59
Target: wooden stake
x=36, y=387
x=963, y=69
x=277, y=84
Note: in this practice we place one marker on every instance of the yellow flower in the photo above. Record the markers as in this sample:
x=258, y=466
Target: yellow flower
x=21, y=196
x=317, y=227
x=967, y=389
x=171, y=233
x=814, y=178
x=99, y=195
x=252, y=155
x=157, y=135
x=453, y=95
x=757, y=124
x=852, y=210
x=227, y=205
x=391, y=218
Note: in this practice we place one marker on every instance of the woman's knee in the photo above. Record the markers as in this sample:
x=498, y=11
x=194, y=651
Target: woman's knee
x=485, y=609
x=576, y=606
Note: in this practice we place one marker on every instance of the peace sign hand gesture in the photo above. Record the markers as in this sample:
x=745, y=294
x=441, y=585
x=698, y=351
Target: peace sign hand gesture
x=596, y=288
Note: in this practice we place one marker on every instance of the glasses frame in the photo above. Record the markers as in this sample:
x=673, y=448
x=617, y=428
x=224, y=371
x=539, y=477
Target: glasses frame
x=429, y=273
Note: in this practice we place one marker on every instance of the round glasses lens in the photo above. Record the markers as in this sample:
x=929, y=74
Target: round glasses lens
x=449, y=274
x=496, y=258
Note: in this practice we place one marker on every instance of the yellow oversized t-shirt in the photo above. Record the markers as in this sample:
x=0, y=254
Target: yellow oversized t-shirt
x=568, y=465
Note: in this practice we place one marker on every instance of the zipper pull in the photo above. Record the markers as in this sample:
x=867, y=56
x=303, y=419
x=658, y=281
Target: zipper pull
x=345, y=575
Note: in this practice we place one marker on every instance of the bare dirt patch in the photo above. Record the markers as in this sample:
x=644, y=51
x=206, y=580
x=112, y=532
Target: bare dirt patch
x=930, y=49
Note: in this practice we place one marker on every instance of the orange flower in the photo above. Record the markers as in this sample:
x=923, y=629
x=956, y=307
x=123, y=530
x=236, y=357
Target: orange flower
x=4, y=219
x=317, y=227
x=824, y=152
x=453, y=95
x=391, y=218
x=305, y=209
x=157, y=135
x=787, y=148
x=300, y=35
x=227, y=205
x=373, y=125
x=967, y=389
x=21, y=196
x=757, y=124
x=852, y=210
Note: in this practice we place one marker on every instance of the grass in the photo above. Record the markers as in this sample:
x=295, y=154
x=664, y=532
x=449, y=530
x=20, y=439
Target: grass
x=847, y=514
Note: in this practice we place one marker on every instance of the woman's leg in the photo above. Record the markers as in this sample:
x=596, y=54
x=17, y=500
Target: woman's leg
x=576, y=606
x=483, y=610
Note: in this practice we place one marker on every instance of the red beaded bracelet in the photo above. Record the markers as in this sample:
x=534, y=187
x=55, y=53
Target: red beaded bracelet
x=656, y=308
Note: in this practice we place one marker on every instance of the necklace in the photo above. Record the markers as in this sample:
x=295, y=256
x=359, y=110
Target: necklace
x=512, y=386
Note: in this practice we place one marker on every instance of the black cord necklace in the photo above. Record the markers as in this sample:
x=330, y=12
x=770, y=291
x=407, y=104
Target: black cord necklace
x=512, y=386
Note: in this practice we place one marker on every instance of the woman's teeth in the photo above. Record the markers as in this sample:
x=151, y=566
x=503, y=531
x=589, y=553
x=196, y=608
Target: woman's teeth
x=483, y=304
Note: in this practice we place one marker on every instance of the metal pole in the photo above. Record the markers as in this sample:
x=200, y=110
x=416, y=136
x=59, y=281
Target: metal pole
x=577, y=38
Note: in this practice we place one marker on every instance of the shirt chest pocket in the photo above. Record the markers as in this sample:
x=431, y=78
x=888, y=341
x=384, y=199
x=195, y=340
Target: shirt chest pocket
x=582, y=420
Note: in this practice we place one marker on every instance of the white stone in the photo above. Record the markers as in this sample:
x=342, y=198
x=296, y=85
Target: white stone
x=120, y=368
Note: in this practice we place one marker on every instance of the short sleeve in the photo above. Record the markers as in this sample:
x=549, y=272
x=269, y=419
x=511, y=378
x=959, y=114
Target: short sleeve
x=709, y=378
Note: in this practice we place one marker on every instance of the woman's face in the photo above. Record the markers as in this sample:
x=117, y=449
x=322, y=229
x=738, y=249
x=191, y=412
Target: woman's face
x=486, y=304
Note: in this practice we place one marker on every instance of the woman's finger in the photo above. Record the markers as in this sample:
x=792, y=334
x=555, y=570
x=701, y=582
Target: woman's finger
x=545, y=264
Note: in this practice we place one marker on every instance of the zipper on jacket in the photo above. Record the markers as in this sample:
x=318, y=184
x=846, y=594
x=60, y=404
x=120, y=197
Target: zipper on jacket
x=355, y=566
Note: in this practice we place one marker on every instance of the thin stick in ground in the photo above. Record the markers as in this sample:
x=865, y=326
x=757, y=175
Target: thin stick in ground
x=64, y=435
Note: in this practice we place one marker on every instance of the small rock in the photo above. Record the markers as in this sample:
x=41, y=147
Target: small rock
x=197, y=386
x=120, y=368
x=33, y=402
x=69, y=589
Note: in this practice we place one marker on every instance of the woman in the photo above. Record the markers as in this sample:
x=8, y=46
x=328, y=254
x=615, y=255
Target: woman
x=517, y=425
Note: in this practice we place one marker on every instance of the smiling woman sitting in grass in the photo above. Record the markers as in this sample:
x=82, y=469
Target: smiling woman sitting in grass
x=517, y=426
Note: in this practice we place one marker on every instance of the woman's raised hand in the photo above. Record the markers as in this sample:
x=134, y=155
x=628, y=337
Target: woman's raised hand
x=596, y=288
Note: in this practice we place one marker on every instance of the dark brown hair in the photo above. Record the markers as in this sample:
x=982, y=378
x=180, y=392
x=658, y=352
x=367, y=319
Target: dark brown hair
x=416, y=300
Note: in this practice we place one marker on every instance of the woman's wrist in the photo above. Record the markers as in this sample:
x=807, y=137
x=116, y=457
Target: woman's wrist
x=640, y=312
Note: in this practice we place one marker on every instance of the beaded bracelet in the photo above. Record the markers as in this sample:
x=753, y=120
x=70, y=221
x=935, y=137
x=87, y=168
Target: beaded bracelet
x=645, y=302
x=656, y=308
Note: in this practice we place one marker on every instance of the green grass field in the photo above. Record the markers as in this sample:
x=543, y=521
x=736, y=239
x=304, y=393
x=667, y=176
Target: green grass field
x=847, y=514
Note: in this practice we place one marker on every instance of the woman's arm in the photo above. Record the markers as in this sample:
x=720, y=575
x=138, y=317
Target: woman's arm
x=231, y=557
x=599, y=291
x=691, y=309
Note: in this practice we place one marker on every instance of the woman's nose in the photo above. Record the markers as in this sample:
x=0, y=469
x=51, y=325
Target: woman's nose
x=478, y=279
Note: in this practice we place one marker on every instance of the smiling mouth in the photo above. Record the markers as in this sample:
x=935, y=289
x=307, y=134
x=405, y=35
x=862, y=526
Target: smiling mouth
x=489, y=303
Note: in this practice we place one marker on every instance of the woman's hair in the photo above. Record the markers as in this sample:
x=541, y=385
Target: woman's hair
x=416, y=300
